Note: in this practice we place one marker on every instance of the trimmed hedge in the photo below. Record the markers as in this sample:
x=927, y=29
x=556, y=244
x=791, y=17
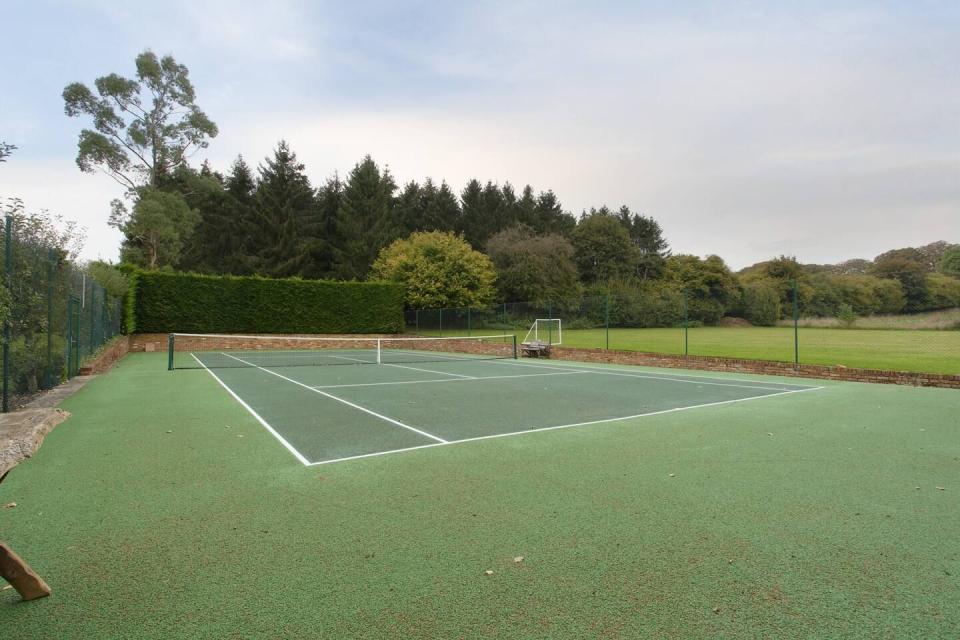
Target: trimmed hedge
x=184, y=302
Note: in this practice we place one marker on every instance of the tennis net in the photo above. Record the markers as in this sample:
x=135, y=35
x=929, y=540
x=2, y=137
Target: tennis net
x=213, y=351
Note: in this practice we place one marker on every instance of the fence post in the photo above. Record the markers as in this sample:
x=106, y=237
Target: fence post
x=796, y=326
x=606, y=318
x=549, y=324
x=7, y=269
x=441, y=322
x=417, y=319
x=48, y=383
x=686, y=326
x=70, y=337
x=469, y=328
x=93, y=317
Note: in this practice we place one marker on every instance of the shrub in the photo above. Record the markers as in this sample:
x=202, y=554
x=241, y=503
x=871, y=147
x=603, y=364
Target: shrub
x=437, y=269
x=847, y=316
x=761, y=304
x=167, y=302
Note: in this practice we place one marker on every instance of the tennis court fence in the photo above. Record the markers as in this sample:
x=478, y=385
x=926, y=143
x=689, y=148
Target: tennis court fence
x=54, y=314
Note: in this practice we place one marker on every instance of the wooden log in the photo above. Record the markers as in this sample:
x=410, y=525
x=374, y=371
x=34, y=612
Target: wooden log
x=21, y=577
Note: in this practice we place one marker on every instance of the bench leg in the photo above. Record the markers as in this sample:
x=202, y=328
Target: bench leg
x=19, y=574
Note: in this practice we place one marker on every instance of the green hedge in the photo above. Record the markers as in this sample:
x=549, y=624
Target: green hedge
x=182, y=302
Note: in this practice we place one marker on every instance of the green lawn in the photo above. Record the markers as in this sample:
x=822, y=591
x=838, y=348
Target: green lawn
x=899, y=350
x=162, y=509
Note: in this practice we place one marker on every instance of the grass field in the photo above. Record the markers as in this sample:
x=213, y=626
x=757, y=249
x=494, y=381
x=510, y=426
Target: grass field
x=163, y=509
x=898, y=350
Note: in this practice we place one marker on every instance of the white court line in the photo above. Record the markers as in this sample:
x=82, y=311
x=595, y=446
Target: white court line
x=346, y=402
x=652, y=376
x=563, y=426
x=385, y=384
x=390, y=364
x=256, y=415
x=443, y=373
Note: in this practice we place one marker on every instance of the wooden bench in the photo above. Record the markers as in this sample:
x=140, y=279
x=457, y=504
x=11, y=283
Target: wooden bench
x=536, y=349
x=21, y=434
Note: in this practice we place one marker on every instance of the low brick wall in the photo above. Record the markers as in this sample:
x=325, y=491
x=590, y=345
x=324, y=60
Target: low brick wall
x=158, y=342
x=763, y=367
x=115, y=350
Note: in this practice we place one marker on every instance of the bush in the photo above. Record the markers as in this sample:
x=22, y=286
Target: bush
x=761, y=304
x=649, y=304
x=437, y=269
x=847, y=316
x=169, y=302
x=943, y=292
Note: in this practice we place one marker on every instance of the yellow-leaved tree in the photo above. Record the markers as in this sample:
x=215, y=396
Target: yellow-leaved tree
x=438, y=269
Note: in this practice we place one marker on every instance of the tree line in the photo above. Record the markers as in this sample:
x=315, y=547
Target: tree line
x=273, y=222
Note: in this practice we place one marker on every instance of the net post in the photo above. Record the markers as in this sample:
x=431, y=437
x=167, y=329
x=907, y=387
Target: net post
x=686, y=326
x=514, y=336
x=379, y=352
x=170, y=352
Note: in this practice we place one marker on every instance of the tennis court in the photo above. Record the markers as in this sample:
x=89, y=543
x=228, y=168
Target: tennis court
x=395, y=395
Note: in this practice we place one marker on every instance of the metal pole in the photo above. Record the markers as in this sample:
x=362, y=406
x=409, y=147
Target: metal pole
x=469, y=328
x=796, y=326
x=7, y=270
x=93, y=320
x=417, y=316
x=69, y=337
x=49, y=377
x=550, y=322
x=441, y=322
x=170, y=352
x=686, y=326
x=606, y=318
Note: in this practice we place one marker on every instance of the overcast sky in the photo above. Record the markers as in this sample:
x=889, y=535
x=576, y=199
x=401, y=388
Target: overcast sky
x=747, y=129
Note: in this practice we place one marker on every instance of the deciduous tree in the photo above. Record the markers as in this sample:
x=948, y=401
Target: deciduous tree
x=438, y=270
x=144, y=127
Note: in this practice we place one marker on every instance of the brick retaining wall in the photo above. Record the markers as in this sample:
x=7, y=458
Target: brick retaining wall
x=763, y=367
x=116, y=349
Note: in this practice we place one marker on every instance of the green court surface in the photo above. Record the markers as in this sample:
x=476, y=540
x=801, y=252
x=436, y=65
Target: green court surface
x=332, y=413
x=692, y=505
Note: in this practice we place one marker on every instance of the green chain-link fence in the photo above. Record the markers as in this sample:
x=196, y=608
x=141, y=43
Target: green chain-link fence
x=666, y=323
x=56, y=315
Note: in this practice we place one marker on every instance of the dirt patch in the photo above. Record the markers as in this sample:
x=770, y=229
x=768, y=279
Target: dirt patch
x=733, y=322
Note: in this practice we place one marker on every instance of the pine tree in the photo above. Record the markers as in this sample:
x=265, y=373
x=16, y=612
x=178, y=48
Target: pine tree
x=324, y=249
x=647, y=236
x=408, y=209
x=367, y=217
x=283, y=216
x=441, y=211
x=549, y=216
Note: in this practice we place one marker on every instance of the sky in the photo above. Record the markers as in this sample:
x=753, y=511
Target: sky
x=823, y=130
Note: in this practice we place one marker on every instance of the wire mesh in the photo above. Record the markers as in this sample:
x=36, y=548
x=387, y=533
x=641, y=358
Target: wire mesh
x=667, y=322
x=57, y=316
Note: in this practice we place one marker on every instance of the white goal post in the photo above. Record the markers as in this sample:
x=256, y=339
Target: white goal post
x=547, y=331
